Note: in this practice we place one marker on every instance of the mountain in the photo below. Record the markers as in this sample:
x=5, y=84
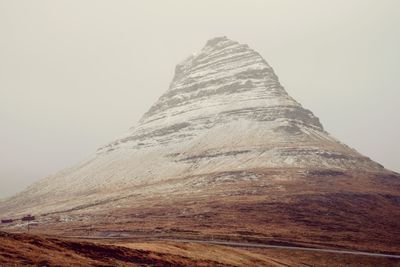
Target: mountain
x=224, y=151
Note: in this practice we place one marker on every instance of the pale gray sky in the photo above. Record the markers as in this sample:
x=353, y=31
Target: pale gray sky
x=76, y=74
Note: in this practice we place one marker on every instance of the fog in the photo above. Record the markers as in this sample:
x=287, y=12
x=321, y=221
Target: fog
x=76, y=74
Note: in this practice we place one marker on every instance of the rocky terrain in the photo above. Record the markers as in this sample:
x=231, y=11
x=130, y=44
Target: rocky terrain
x=224, y=153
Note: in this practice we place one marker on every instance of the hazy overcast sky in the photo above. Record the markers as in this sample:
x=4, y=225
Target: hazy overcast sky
x=76, y=74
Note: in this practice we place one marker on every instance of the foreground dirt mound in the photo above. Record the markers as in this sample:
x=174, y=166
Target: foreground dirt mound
x=30, y=250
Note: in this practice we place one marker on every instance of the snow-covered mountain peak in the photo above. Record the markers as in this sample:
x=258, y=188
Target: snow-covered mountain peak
x=225, y=113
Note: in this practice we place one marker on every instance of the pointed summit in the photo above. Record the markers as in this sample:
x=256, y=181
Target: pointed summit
x=219, y=39
x=218, y=43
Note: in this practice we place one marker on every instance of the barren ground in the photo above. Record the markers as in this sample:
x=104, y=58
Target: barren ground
x=32, y=250
x=344, y=211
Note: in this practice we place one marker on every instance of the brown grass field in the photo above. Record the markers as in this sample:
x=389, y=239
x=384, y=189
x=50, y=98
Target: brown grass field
x=346, y=211
x=32, y=250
